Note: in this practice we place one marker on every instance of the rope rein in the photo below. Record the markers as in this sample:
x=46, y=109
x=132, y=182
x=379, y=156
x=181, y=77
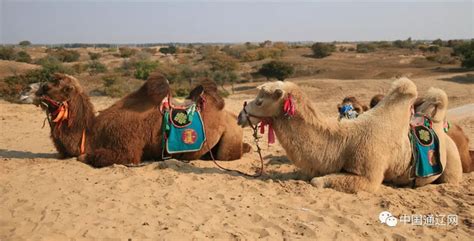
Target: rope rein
x=256, y=139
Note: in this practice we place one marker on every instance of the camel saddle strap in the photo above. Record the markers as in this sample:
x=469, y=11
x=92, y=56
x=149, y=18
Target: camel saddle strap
x=425, y=147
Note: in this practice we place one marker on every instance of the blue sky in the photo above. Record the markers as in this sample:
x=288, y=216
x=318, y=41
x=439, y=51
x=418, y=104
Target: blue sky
x=224, y=21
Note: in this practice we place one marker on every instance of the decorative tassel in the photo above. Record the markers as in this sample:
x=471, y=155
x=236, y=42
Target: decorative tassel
x=271, y=132
x=289, y=106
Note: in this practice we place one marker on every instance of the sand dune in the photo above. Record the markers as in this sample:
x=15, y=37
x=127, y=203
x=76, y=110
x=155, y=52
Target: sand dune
x=49, y=199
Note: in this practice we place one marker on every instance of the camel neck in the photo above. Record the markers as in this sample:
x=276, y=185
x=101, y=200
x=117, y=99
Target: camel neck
x=311, y=132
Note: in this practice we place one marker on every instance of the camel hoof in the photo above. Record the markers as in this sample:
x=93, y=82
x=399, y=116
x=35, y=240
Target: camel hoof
x=318, y=182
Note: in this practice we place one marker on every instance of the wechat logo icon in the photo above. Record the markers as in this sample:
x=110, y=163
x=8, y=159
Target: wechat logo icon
x=387, y=218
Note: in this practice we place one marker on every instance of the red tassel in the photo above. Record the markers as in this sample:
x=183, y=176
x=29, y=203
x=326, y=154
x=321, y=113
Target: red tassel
x=271, y=134
x=262, y=127
x=289, y=106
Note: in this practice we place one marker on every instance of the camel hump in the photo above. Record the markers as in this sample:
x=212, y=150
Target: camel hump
x=404, y=86
x=157, y=87
x=434, y=104
x=437, y=97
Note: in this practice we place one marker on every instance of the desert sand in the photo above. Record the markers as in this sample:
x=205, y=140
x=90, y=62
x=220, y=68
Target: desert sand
x=44, y=198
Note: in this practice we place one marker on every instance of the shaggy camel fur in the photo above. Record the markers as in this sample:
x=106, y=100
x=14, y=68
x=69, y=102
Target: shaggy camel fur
x=455, y=132
x=67, y=135
x=353, y=155
x=130, y=130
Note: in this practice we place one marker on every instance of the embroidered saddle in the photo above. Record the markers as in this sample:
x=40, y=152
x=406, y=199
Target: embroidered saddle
x=183, y=129
x=425, y=147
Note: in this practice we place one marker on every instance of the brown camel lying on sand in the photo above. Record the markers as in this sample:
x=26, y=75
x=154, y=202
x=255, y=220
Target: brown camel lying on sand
x=131, y=130
x=455, y=132
x=352, y=155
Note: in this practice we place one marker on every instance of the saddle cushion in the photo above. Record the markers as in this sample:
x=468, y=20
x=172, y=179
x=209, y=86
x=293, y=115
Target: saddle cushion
x=425, y=147
x=184, y=130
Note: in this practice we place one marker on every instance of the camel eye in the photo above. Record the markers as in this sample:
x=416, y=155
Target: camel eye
x=259, y=102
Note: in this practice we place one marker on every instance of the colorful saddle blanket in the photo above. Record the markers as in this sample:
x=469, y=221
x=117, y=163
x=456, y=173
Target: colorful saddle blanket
x=183, y=130
x=425, y=147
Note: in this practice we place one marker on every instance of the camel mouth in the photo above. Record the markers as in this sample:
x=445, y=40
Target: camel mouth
x=242, y=119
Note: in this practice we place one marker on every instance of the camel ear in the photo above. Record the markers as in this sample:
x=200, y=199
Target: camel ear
x=68, y=89
x=277, y=94
x=196, y=93
x=365, y=108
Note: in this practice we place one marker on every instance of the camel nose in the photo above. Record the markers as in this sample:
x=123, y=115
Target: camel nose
x=242, y=119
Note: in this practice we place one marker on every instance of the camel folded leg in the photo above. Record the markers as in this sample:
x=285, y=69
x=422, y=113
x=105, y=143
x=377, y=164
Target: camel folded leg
x=230, y=145
x=347, y=182
x=103, y=157
x=453, y=171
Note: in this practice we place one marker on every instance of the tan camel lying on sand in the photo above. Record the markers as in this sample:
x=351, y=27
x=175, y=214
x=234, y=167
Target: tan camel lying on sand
x=455, y=132
x=352, y=155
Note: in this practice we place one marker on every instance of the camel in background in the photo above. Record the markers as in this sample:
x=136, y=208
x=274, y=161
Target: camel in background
x=352, y=155
x=455, y=132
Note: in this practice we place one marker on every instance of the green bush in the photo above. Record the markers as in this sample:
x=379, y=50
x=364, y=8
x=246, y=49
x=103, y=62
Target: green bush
x=96, y=67
x=438, y=42
x=94, y=56
x=403, y=44
x=126, y=52
x=466, y=52
x=65, y=55
x=168, y=50
x=23, y=56
x=143, y=69
x=365, y=48
x=276, y=69
x=433, y=48
x=7, y=53
x=24, y=43
x=52, y=65
x=321, y=50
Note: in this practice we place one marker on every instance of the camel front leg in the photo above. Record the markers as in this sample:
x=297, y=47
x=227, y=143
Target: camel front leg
x=347, y=182
x=453, y=171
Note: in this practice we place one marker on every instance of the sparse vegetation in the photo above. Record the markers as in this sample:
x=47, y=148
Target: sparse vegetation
x=64, y=55
x=321, y=50
x=96, y=67
x=365, y=48
x=143, y=68
x=7, y=53
x=276, y=69
x=94, y=56
x=23, y=56
x=126, y=52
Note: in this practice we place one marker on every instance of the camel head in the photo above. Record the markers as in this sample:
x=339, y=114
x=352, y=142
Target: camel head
x=28, y=96
x=272, y=101
x=60, y=89
x=351, y=108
